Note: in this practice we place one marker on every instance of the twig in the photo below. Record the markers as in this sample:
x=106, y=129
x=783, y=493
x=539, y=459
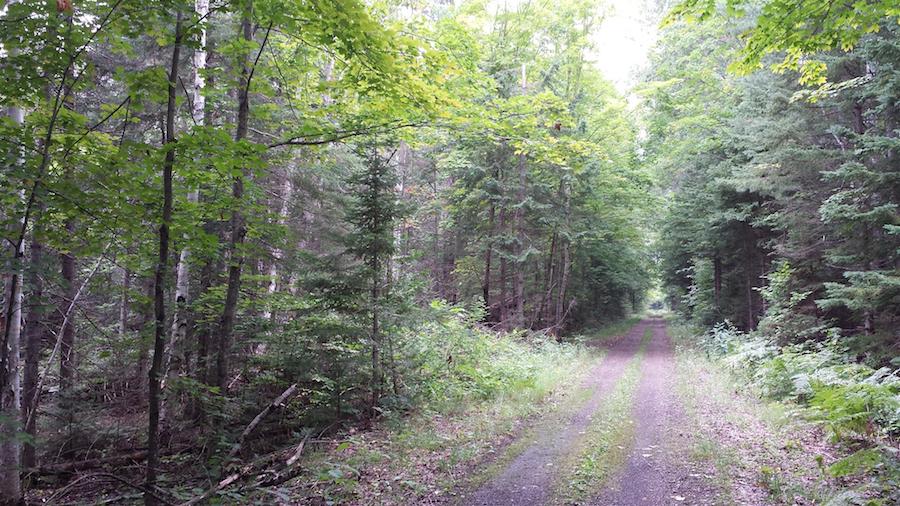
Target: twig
x=308, y=140
x=97, y=125
x=236, y=378
x=190, y=100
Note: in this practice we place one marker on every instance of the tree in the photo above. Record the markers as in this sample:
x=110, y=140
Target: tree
x=373, y=215
x=159, y=291
x=801, y=30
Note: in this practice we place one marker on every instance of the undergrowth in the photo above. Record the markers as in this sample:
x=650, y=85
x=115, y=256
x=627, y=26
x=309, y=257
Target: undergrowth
x=472, y=391
x=858, y=404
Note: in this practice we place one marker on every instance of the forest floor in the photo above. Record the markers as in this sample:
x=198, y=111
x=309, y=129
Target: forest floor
x=646, y=420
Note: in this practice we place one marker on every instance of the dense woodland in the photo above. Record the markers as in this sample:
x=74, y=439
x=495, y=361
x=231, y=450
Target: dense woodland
x=214, y=209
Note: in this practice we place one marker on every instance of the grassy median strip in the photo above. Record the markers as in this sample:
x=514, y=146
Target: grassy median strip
x=607, y=441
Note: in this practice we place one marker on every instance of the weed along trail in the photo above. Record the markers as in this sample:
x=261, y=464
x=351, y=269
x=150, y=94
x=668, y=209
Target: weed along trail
x=531, y=477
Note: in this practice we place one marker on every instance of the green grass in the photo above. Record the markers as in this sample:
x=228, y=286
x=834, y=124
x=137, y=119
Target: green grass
x=449, y=449
x=607, y=441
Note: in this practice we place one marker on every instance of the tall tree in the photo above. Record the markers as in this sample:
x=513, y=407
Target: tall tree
x=238, y=222
x=159, y=292
x=373, y=216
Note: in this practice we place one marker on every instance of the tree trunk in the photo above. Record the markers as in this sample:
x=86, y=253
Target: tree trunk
x=67, y=344
x=238, y=225
x=143, y=342
x=544, y=303
x=287, y=193
x=204, y=334
x=181, y=318
x=159, y=292
x=10, y=400
x=486, y=284
x=564, y=268
x=504, y=317
x=717, y=281
x=435, y=263
x=376, y=343
x=34, y=337
x=519, y=280
x=563, y=286
x=748, y=278
x=124, y=304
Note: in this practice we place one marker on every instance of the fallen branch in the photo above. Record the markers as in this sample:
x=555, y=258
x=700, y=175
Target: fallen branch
x=558, y=325
x=289, y=472
x=296, y=456
x=259, y=418
x=65, y=490
x=112, y=460
x=245, y=470
x=219, y=486
x=83, y=465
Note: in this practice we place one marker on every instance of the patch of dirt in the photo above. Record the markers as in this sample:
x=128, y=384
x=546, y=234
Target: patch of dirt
x=527, y=480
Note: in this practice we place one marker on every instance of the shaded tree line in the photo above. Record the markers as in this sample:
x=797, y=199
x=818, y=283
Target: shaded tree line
x=783, y=184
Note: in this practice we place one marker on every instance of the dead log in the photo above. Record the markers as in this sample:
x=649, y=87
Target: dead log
x=259, y=418
x=135, y=456
x=85, y=465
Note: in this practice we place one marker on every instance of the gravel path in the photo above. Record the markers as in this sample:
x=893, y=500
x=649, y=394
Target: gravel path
x=649, y=476
x=662, y=467
x=527, y=480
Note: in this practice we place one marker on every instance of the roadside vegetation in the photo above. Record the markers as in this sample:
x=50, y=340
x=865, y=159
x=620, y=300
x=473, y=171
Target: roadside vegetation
x=483, y=410
x=789, y=425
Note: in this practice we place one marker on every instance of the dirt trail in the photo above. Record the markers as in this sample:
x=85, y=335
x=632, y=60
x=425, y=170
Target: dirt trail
x=528, y=479
x=649, y=476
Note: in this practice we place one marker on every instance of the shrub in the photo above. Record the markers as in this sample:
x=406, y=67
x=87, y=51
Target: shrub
x=852, y=399
x=448, y=358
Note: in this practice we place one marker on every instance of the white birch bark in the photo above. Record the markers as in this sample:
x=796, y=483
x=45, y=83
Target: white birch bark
x=10, y=394
x=198, y=104
x=183, y=271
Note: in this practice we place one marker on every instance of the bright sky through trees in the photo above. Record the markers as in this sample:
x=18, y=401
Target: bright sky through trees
x=624, y=39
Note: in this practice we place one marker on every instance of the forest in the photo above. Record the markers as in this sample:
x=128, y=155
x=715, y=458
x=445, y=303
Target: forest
x=428, y=252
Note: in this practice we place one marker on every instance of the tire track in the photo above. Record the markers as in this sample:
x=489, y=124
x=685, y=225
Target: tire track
x=647, y=477
x=528, y=479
